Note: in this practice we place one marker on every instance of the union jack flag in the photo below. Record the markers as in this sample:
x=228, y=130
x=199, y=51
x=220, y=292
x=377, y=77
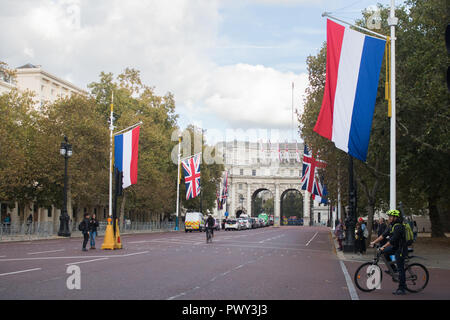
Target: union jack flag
x=191, y=169
x=310, y=180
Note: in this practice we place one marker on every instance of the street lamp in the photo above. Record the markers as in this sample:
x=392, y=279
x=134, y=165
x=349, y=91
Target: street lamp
x=66, y=152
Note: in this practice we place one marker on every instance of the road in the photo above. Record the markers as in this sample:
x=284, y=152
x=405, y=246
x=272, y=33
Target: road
x=287, y=263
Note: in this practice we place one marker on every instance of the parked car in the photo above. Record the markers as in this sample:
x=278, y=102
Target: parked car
x=217, y=225
x=242, y=223
x=253, y=222
x=232, y=224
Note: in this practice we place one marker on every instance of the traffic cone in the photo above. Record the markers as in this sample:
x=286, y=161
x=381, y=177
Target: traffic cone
x=117, y=243
x=108, y=240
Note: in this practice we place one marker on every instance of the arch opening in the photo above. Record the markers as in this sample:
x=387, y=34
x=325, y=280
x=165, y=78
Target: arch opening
x=291, y=208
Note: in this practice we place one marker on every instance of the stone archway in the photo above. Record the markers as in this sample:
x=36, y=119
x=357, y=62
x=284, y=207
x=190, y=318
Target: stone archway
x=291, y=207
x=263, y=201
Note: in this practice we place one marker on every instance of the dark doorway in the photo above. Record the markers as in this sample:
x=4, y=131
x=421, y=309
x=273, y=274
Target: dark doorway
x=291, y=208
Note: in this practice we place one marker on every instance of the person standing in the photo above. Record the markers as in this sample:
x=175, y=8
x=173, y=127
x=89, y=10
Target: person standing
x=84, y=228
x=415, y=230
x=93, y=225
x=365, y=235
x=339, y=233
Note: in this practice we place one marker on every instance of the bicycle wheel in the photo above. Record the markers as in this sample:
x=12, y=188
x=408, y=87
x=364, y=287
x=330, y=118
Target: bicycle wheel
x=416, y=277
x=368, y=277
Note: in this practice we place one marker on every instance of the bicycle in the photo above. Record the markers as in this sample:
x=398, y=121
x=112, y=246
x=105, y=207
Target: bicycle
x=369, y=275
x=208, y=235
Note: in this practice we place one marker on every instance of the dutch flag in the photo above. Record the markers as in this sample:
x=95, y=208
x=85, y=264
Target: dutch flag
x=126, y=156
x=353, y=70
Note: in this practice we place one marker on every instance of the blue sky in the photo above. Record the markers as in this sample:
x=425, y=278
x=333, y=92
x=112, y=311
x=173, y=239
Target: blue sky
x=229, y=63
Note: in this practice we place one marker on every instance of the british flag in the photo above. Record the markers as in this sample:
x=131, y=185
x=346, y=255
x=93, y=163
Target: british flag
x=310, y=180
x=191, y=169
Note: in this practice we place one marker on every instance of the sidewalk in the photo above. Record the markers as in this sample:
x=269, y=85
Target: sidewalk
x=433, y=253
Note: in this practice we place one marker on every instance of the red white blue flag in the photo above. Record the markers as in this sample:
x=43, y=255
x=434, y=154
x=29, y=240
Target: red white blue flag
x=191, y=169
x=126, y=148
x=309, y=181
x=353, y=70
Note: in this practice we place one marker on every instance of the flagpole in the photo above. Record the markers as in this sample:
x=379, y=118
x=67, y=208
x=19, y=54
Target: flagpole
x=292, y=111
x=111, y=128
x=178, y=184
x=392, y=21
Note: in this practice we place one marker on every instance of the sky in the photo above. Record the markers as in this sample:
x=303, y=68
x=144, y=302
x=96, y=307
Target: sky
x=229, y=63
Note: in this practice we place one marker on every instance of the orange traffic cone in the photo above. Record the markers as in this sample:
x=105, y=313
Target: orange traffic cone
x=108, y=240
x=117, y=243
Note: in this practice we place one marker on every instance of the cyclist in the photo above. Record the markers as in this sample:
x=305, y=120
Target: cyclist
x=210, y=224
x=396, y=245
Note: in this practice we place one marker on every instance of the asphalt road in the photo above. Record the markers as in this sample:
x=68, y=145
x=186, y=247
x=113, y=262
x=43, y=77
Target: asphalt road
x=287, y=263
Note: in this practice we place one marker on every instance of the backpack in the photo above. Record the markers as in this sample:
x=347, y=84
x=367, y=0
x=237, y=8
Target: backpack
x=81, y=226
x=409, y=235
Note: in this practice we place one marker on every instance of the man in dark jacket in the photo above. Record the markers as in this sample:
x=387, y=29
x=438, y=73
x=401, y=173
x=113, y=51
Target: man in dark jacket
x=93, y=225
x=84, y=228
x=396, y=245
x=210, y=222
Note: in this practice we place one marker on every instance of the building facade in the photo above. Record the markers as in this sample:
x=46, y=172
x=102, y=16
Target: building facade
x=276, y=168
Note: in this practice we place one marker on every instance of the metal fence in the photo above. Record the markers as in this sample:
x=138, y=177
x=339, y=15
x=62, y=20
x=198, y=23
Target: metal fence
x=43, y=230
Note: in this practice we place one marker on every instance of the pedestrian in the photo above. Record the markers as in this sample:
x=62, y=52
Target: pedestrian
x=93, y=225
x=358, y=238
x=7, y=223
x=339, y=233
x=29, y=222
x=365, y=235
x=84, y=228
x=382, y=226
x=415, y=230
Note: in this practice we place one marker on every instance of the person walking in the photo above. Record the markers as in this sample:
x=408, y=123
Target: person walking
x=29, y=222
x=358, y=238
x=339, y=233
x=93, y=225
x=365, y=235
x=84, y=228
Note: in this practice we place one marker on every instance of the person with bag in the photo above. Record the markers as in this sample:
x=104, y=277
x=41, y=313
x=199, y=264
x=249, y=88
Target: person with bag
x=93, y=225
x=84, y=228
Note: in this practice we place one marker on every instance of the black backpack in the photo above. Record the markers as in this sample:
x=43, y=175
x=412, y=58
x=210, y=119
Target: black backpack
x=81, y=226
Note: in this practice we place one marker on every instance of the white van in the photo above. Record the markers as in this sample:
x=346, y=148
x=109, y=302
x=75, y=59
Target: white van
x=194, y=222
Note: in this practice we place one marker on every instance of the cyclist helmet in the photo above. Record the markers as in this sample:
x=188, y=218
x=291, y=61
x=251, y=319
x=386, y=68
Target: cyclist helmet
x=394, y=213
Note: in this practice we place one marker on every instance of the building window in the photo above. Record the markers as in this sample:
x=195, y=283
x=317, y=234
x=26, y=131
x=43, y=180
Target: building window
x=241, y=172
x=254, y=172
x=240, y=186
x=49, y=212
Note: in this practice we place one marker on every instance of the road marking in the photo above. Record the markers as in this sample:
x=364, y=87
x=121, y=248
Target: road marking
x=16, y=272
x=73, y=257
x=312, y=238
x=31, y=253
x=87, y=261
x=350, y=286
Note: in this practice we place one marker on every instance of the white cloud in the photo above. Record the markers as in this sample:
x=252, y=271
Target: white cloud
x=168, y=41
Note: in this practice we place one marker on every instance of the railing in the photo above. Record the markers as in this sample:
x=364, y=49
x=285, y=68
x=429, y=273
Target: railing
x=43, y=230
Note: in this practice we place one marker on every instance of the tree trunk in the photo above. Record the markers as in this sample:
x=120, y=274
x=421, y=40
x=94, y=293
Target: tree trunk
x=437, y=230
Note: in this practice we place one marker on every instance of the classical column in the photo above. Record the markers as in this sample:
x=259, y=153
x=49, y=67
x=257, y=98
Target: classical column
x=233, y=201
x=306, y=209
x=249, y=201
x=276, y=222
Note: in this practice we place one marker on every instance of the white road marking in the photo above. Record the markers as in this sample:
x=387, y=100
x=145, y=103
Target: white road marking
x=31, y=253
x=86, y=261
x=350, y=286
x=312, y=238
x=22, y=271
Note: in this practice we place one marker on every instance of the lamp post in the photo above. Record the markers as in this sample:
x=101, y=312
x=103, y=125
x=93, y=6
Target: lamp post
x=66, y=152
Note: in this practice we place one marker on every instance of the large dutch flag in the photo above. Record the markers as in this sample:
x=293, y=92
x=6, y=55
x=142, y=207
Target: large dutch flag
x=353, y=70
x=126, y=156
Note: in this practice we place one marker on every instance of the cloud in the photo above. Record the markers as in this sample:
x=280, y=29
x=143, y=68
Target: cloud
x=168, y=41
